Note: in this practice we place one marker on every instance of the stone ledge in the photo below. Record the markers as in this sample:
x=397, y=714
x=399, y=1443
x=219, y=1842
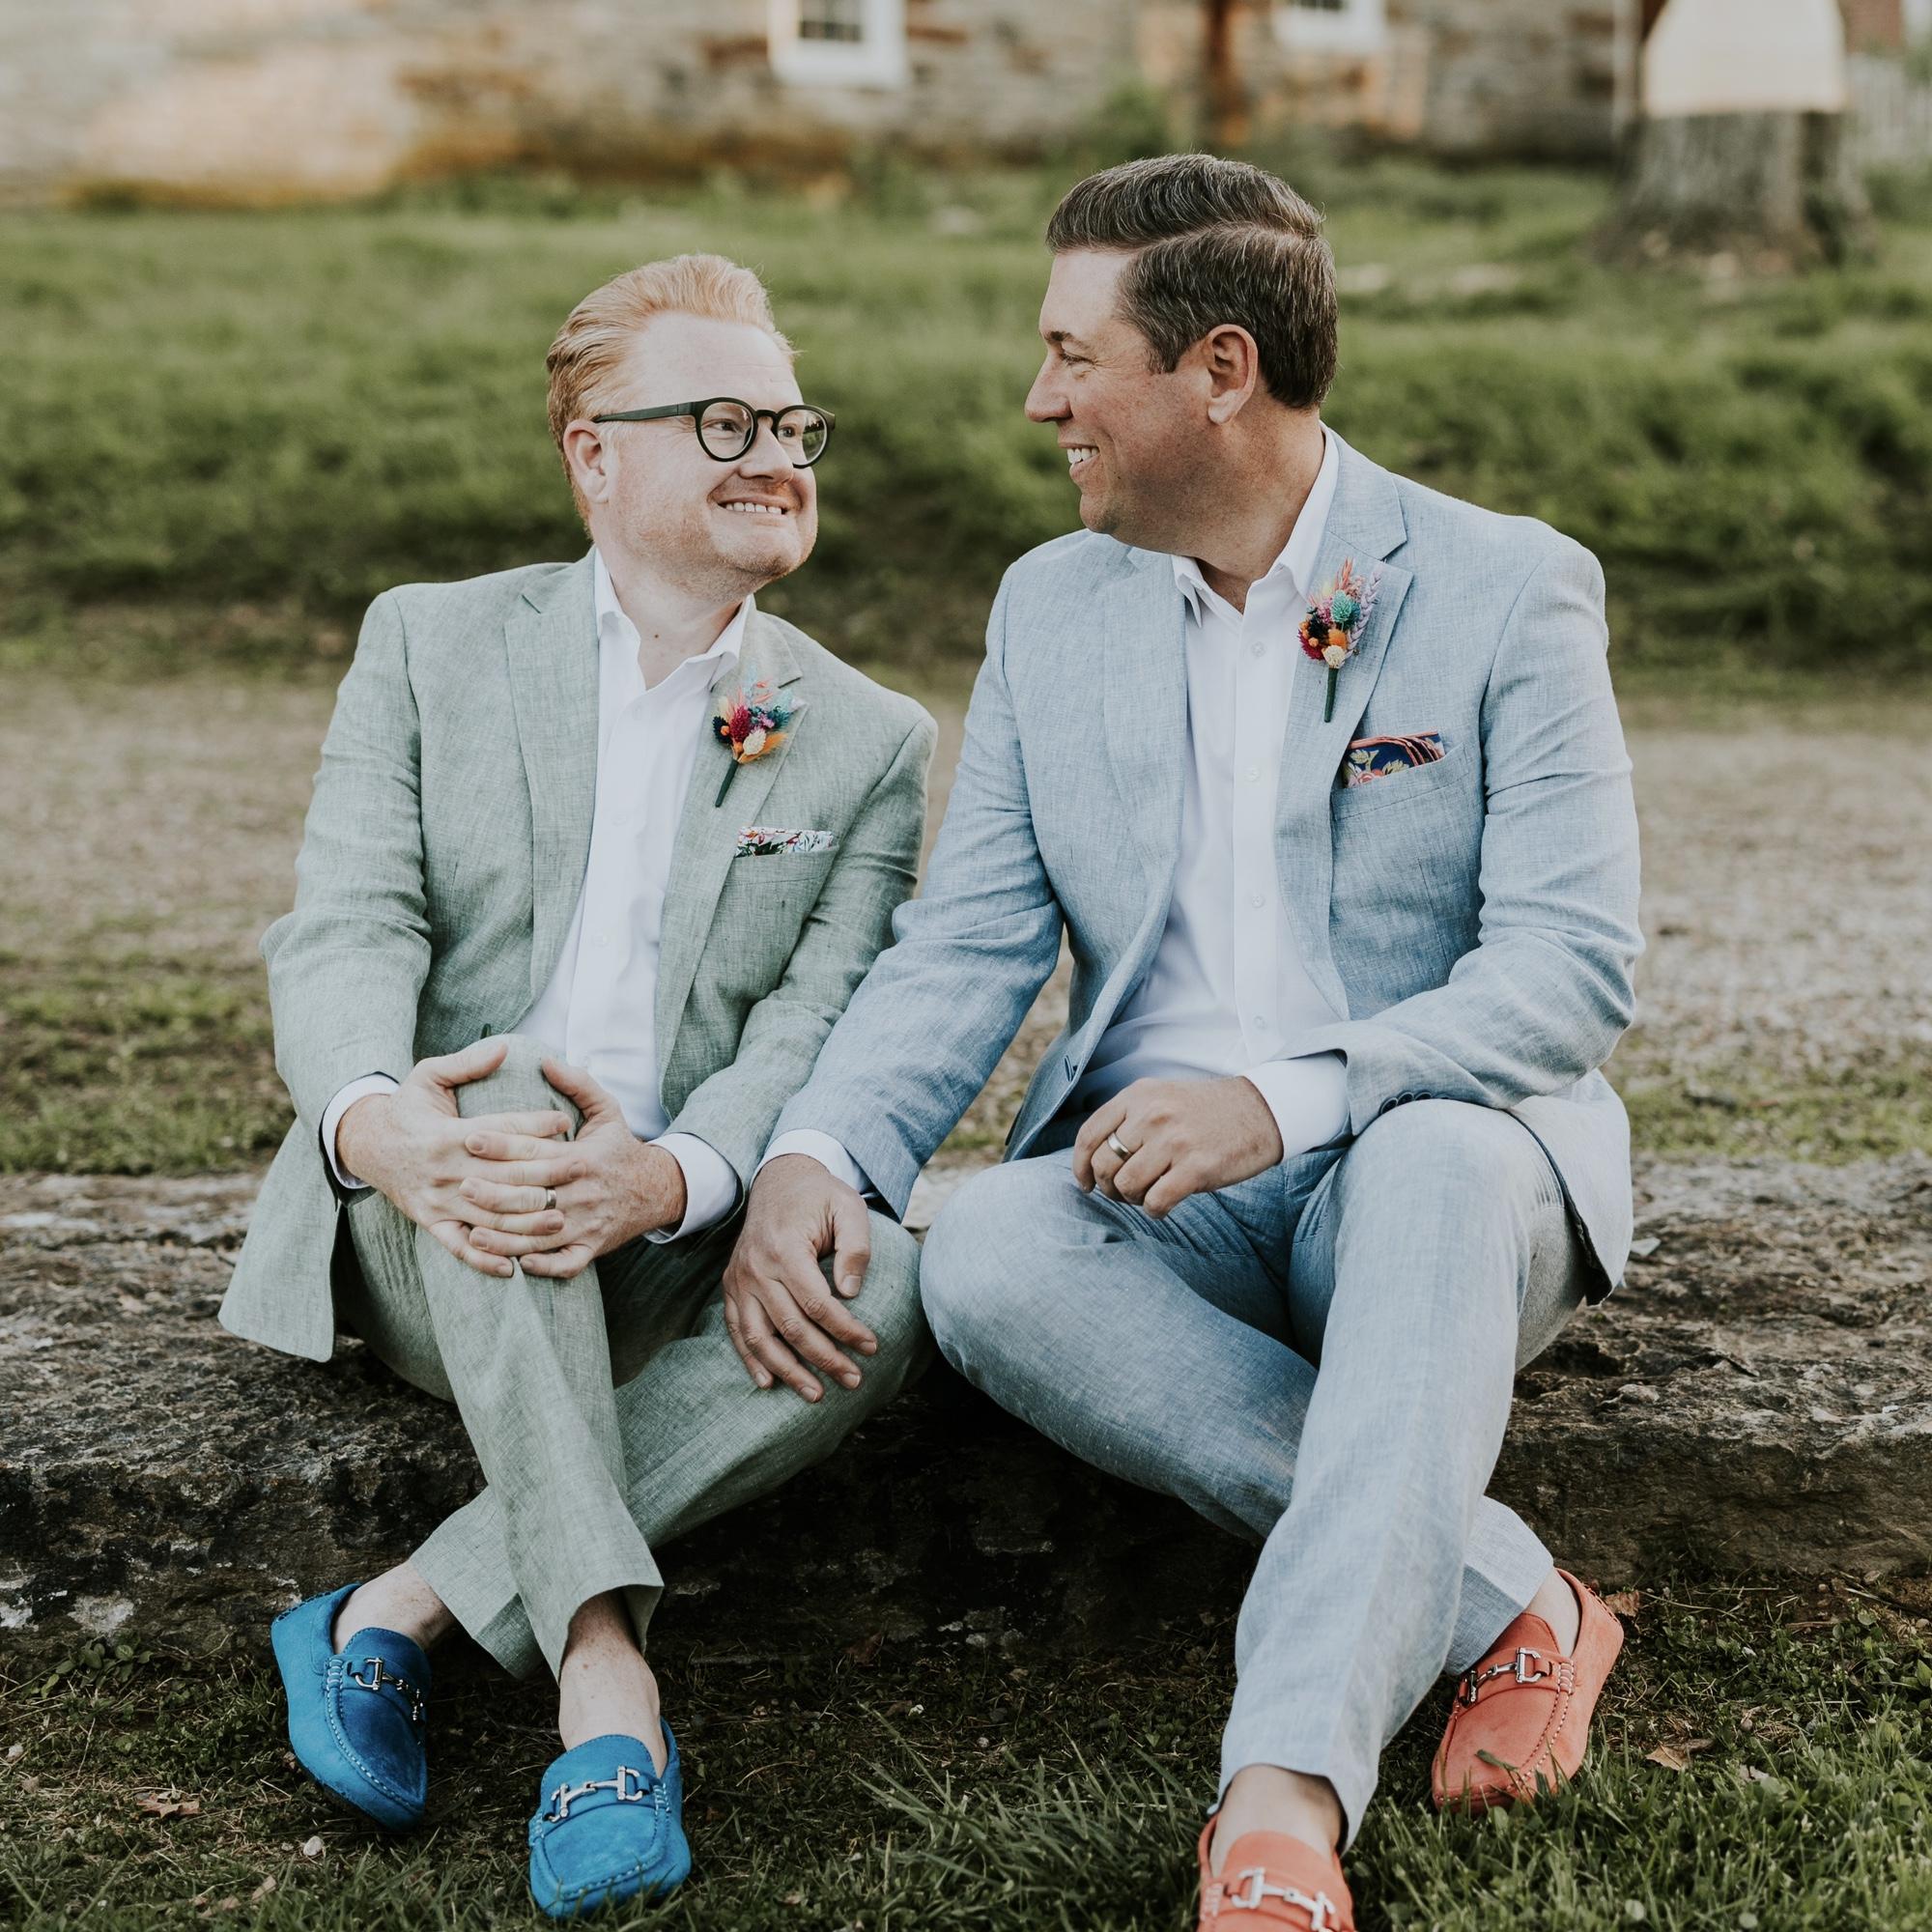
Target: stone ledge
x=1758, y=1397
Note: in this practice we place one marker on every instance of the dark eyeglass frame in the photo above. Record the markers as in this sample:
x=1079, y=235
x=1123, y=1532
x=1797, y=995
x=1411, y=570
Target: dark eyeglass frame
x=697, y=412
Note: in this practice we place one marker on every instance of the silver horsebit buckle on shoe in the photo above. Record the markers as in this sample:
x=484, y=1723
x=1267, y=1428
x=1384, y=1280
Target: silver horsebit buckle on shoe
x=381, y=1674
x=1518, y=1669
x=1254, y=1886
x=567, y=1795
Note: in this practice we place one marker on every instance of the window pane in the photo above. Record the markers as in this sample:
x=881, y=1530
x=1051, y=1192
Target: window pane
x=832, y=20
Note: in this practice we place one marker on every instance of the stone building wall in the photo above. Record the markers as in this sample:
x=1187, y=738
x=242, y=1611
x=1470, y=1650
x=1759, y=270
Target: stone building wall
x=268, y=100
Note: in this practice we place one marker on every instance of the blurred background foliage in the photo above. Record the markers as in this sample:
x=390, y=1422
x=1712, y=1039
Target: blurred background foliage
x=224, y=433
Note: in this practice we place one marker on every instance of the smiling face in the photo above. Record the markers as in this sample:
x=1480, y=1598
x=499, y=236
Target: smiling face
x=715, y=530
x=1135, y=436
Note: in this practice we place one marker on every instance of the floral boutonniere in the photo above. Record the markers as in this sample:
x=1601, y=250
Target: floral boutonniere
x=751, y=724
x=1335, y=620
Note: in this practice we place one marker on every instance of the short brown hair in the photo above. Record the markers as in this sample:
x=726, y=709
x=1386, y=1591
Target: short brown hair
x=597, y=333
x=1213, y=241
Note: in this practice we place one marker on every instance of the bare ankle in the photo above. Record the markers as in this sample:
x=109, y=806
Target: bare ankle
x=1266, y=1798
x=1557, y=1604
x=604, y=1684
x=400, y=1601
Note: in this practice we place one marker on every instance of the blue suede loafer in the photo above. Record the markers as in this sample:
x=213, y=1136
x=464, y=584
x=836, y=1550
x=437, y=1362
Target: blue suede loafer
x=356, y=1719
x=607, y=1828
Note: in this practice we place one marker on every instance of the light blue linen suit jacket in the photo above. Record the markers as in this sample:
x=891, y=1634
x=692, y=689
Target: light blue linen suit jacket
x=1475, y=918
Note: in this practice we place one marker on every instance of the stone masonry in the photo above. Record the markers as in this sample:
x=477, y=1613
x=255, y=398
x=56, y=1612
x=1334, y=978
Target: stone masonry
x=1757, y=1398
x=266, y=101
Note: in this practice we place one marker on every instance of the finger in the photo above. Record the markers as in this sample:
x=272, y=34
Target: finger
x=1132, y=1179
x=801, y=1334
x=545, y=1221
x=1169, y=1192
x=488, y=1145
x=778, y=1361
x=558, y=1264
x=558, y=1172
x=493, y=1197
x=545, y=1122
x=851, y=1243
x=472, y=1063
x=576, y=1085
x=455, y=1236
x=829, y=1313
x=754, y=1367
x=1093, y=1135
x=495, y=1241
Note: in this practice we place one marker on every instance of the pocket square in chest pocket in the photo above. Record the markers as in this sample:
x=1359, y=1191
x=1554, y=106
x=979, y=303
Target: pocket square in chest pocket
x=778, y=841
x=1371, y=759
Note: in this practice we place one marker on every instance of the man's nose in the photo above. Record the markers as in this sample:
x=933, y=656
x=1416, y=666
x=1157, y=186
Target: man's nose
x=767, y=455
x=1043, y=404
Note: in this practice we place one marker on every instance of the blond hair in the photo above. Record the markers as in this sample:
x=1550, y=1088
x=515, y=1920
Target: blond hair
x=597, y=334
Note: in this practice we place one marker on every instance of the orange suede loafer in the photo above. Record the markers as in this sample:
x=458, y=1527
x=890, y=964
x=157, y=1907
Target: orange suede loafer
x=1268, y=1879
x=1521, y=1717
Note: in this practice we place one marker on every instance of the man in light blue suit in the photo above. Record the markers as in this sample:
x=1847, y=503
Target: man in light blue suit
x=1319, y=775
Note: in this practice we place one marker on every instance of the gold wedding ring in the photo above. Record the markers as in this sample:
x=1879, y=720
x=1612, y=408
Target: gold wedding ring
x=1114, y=1142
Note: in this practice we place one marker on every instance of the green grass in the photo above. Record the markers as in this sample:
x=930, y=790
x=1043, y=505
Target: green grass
x=1877, y=1104
x=136, y=1066
x=238, y=427
x=934, y=1786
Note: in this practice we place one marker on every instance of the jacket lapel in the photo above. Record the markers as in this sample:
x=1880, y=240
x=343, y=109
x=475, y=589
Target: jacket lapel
x=1144, y=678
x=707, y=831
x=1366, y=526
x=553, y=653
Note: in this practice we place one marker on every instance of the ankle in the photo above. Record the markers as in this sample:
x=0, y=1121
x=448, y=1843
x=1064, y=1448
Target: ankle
x=604, y=1684
x=1265, y=1798
x=399, y=1601
x=1561, y=1609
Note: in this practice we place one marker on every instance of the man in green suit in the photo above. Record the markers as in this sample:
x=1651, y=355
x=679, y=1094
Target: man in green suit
x=597, y=854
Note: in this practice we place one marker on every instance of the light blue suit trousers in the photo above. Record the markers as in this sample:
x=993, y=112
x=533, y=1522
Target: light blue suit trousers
x=1416, y=1271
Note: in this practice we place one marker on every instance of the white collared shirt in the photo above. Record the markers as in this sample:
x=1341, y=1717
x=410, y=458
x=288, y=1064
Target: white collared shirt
x=598, y=1009
x=1227, y=989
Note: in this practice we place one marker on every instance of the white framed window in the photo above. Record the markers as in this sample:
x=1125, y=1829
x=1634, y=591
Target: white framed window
x=838, y=42
x=1330, y=26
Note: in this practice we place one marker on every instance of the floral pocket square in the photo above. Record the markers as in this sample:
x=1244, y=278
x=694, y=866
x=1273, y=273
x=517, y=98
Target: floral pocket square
x=1371, y=758
x=768, y=841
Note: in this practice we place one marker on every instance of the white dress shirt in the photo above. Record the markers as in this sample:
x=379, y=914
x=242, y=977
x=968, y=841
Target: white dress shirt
x=1227, y=988
x=597, y=1012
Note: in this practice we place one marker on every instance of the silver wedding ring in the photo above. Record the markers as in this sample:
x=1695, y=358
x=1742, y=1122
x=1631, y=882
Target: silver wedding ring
x=550, y=1199
x=1114, y=1142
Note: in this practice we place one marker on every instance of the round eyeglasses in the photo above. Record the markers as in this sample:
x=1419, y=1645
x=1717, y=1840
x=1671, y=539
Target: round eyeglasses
x=727, y=428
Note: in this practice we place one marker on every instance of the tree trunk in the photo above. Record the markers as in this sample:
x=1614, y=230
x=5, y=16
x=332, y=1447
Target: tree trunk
x=1227, y=99
x=1774, y=190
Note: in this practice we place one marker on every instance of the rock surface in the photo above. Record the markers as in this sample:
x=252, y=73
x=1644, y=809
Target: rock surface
x=1758, y=1396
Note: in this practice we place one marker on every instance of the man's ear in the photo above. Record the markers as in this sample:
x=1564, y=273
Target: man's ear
x=585, y=451
x=1233, y=365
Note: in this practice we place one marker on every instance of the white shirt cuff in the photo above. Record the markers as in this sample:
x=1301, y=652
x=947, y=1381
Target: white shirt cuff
x=331, y=1118
x=828, y=1152
x=1308, y=1098
x=710, y=1185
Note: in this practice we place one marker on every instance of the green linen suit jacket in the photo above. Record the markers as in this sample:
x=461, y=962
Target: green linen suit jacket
x=445, y=850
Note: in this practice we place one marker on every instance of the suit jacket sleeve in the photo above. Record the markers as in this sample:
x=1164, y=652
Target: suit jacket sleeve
x=877, y=866
x=347, y=966
x=1545, y=993
x=927, y=1028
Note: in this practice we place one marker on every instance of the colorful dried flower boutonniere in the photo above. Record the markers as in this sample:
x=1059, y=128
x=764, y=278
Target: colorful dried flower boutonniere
x=1334, y=622
x=751, y=724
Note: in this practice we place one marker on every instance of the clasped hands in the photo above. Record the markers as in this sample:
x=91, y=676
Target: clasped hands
x=510, y=1189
